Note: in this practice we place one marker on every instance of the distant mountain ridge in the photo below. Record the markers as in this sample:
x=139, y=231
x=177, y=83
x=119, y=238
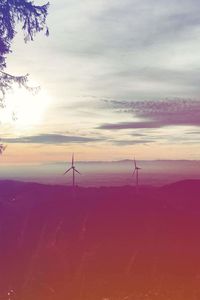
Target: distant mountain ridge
x=115, y=173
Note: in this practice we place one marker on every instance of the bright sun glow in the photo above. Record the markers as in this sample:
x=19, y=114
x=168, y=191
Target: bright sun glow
x=22, y=109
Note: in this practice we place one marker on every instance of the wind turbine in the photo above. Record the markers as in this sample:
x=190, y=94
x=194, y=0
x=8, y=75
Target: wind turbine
x=136, y=172
x=73, y=171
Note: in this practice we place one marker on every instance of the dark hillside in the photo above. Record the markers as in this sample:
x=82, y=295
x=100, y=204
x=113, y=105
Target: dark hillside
x=100, y=243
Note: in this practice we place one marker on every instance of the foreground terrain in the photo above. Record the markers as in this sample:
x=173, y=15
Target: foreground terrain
x=99, y=243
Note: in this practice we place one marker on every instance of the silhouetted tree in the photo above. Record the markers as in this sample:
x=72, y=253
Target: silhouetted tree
x=33, y=19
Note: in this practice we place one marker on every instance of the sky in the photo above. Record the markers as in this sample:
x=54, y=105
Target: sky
x=118, y=79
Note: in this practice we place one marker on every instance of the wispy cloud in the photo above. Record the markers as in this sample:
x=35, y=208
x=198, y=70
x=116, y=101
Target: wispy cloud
x=132, y=142
x=55, y=139
x=157, y=114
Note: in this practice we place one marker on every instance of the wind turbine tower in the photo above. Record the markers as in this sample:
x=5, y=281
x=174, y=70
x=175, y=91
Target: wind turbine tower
x=136, y=172
x=74, y=170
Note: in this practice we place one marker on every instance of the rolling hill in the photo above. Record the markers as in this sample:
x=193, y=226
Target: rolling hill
x=99, y=243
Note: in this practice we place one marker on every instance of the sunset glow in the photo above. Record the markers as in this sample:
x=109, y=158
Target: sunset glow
x=112, y=92
x=24, y=110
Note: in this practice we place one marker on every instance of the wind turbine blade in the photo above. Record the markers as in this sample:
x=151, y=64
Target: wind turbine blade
x=72, y=159
x=133, y=172
x=77, y=171
x=135, y=163
x=67, y=171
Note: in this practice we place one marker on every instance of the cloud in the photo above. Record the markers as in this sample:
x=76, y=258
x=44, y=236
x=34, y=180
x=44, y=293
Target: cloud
x=115, y=48
x=129, y=49
x=132, y=142
x=157, y=114
x=101, y=27
x=130, y=125
x=50, y=139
